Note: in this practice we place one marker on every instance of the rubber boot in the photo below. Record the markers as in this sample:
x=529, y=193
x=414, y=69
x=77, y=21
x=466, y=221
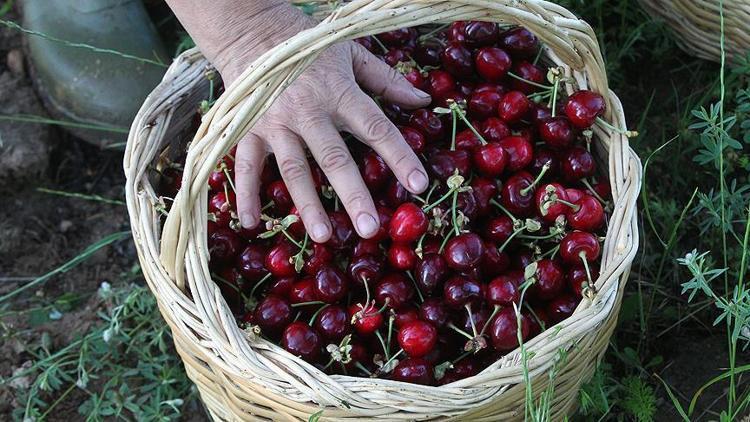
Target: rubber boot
x=78, y=84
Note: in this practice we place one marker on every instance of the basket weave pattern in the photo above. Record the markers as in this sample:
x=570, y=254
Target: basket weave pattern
x=242, y=377
x=698, y=26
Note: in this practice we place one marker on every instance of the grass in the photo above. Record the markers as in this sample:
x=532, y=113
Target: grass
x=688, y=281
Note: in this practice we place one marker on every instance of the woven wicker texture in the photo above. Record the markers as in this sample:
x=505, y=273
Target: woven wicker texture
x=698, y=26
x=241, y=377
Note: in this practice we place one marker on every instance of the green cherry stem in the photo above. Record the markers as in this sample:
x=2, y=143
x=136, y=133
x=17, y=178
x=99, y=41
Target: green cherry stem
x=261, y=281
x=592, y=190
x=627, y=133
x=471, y=320
x=495, y=310
x=447, y=195
x=532, y=83
x=536, y=181
x=453, y=132
x=460, y=331
x=573, y=206
x=448, y=236
x=314, y=302
x=585, y=261
x=553, y=101
x=507, y=241
x=504, y=210
x=315, y=315
x=457, y=110
x=453, y=213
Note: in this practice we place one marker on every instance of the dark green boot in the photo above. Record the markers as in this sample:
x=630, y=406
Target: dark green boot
x=82, y=85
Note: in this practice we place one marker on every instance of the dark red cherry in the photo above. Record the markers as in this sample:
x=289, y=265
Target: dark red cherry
x=402, y=257
x=465, y=368
x=397, y=37
x=466, y=88
x=483, y=190
x=375, y=172
x=343, y=234
x=440, y=83
x=556, y=132
x=443, y=163
x=223, y=245
x=414, y=138
x=474, y=320
x=331, y=285
x=433, y=310
x=459, y=291
x=503, y=330
x=480, y=33
x=576, y=246
x=447, y=99
x=546, y=207
x=513, y=106
x=273, y=314
x=561, y=307
x=395, y=195
x=483, y=104
x=221, y=206
x=499, y=229
x=416, y=78
x=365, y=268
x=502, y=291
x=589, y=216
x=578, y=279
x=415, y=371
x=464, y=251
x=601, y=188
x=539, y=113
x=394, y=112
x=404, y=316
x=252, y=262
x=457, y=61
x=490, y=159
x=417, y=338
x=366, y=247
x=583, y=107
x=494, y=130
x=366, y=319
x=333, y=323
x=457, y=32
x=542, y=156
x=296, y=229
x=302, y=340
x=428, y=124
x=281, y=287
x=550, y=279
x=520, y=152
x=513, y=197
x=427, y=54
x=279, y=194
x=217, y=180
x=528, y=72
x=577, y=163
x=279, y=260
x=303, y=291
x=395, y=289
x=430, y=272
x=494, y=262
x=408, y=223
x=367, y=42
x=321, y=256
x=492, y=63
x=467, y=204
x=384, y=218
x=520, y=42
x=394, y=56
x=467, y=140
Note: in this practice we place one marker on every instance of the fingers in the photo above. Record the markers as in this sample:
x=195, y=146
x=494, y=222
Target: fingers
x=331, y=153
x=364, y=119
x=248, y=165
x=382, y=80
x=296, y=174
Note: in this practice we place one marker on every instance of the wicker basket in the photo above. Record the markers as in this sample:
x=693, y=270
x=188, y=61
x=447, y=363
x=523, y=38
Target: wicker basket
x=242, y=377
x=698, y=26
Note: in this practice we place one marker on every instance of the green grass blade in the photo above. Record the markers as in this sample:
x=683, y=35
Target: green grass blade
x=95, y=198
x=644, y=191
x=713, y=381
x=31, y=118
x=675, y=401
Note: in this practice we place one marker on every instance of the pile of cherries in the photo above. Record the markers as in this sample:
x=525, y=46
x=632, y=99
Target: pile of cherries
x=504, y=244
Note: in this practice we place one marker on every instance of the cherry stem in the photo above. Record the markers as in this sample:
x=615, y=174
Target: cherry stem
x=261, y=281
x=573, y=206
x=362, y=368
x=429, y=194
x=460, y=358
x=507, y=241
x=315, y=315
x=533, y=237
x=504, y=210
x=453, y=213
x=448, y=236
x=267, y=206
x=427, y=36
x=532, y=83
x=447, y=195
x=592, y=190
x=553, y=101
x=626, y=132
x=492, y=315
x=591, y=286
x=314, y=302
x=536, y=181
x=393, y=357
x=537, y=57
x=453, y=133
x=550, y=253
x=390, y=333
x=460, y=331
x=293, y=240
x=453, y=106
x=536, y=317
x=416, y=286
x=382, y=343
x=471, y=320
x=385, y=49
x=229, y=179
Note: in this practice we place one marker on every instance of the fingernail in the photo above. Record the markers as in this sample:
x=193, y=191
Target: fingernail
x=421, y=94
x=366, y=224
x=417, y=181
x=319, y=231
x=248, y=221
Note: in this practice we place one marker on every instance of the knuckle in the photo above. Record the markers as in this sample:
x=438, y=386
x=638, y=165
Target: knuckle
x=378, y=129
x=245, y=167
x=310, y=122
x=293, y=168
x=356, y=200
x=334, y=157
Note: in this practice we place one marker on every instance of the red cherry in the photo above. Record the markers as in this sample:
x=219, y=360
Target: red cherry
x=494, y=130
x=428, y=124
x=366, y=247
x=272, y=315
x=302, y=340
x=577, y=163
x=281, y=287
x=279, y=194
x=503, y=330
x=457, y=32
x=375, y=171
x=217, y=179
x=513, y=197
x=490, y=159
x=514, y=106
x=333, y=323
x=583, y=107
x=415, y=371
x=366, y=42
x=321, y=256
x=546, y=208
x=343, y=234
x=430, y=272
x=394, y=112
x=404, y=316
x=297, y=228
x=397, y=37
x=223, y=245
x=492, y=63
x=408, y=223
x=466, y=88
x=542, y=156
x=414, y=138
x=483, y=190
x=366, y=319
x=480, y=33
x=474, y=320
x=494, y=262
x=416, y=78
x=394, y=289
x=443, y=163
x=365, y=268
x=433, y=310
x=251, y=263
x=467, y=140
x=303, y=291
x=417, y=338
x=428, y=54
x=221, y=206
x=529, y=72
x=483, y=104
x=578, y=279
x=331, y=285
x=499, y=229
x=402, y=257
x=574, y=195
x=440, y=83
x=556, y=132
x=520, y=42
x=395, y=195
x=561, y=307
x=457, y=61
x=459, y=291
x=550, y=279
x=576, y=246
x=520, y=152
x=601, y=188
x=590, y=214
x=447, y=99
x=464, y=251
x=502, y=291
x=465, y=368
x=279, y=260
x=394, y=56
x=539, y=113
